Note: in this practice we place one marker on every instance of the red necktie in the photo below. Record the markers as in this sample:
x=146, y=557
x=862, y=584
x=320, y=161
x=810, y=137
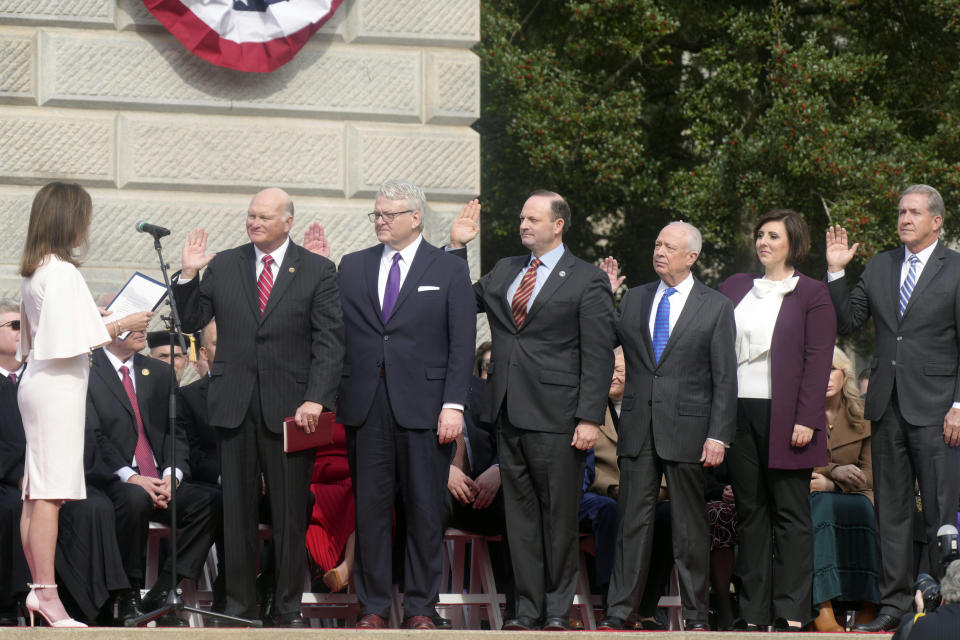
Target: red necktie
x=265, y=283
x=143, y=454
x=523, y=293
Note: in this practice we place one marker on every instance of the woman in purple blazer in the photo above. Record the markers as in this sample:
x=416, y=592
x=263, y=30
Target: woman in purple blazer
x=786, y=329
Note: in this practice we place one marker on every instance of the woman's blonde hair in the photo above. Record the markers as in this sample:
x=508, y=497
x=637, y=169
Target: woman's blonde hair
x=851, y=392
x=59, y=222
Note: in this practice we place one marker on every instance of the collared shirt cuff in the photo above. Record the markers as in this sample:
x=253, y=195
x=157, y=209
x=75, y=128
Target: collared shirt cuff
x=955, y=405
x=166, y=472
x=725, y=445
x=452, y=405
x=836, y=275
x=125, y=473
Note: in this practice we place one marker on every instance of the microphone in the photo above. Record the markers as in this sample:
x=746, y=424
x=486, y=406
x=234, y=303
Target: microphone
x=152, y=229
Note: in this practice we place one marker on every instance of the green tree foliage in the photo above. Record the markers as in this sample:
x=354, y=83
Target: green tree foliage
x=645, y=111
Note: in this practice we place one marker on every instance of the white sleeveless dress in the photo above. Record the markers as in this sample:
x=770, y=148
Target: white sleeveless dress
x=60, y=325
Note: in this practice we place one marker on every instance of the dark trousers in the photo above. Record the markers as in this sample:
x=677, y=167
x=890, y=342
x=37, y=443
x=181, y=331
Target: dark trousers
x=384, y=456
x=775, y=530
x=287, y=478
x=639, y=485
x=598, y=515
x=542, y=480
x=903, y=452
x=198, y=516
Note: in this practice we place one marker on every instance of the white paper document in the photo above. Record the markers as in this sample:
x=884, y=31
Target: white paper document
x=141, y=293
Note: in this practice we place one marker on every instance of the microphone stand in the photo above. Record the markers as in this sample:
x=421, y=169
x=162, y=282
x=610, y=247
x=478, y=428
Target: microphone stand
x=175, y=602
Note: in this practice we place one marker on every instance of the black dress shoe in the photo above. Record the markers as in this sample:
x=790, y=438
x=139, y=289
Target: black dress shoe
x=521, y=623
x=611, y=623
x=556, y=623
x=883, y=622
x=221, y=623
x=292, y=621
x=695, y=625
x=128, y=605
x=742, y=625
x=155, y=599
x=8, y=616
x=440, y=622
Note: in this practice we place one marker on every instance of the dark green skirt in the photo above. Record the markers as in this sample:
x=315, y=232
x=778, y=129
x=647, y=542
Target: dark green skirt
x=845, y=557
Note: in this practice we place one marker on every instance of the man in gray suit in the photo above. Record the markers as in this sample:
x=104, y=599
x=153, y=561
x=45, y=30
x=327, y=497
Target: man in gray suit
x=678, y=415
x=913, y=400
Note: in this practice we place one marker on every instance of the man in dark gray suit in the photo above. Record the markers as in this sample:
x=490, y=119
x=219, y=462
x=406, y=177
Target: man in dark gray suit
x=913, y=400
x=551, y=318
x=279, y=355
x=678, y=415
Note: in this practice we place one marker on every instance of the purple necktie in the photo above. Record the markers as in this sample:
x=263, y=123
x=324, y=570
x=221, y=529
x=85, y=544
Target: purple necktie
x=392, y=290
x=13, y=377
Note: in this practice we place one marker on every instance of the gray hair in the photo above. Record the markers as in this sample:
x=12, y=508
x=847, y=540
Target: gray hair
x=934, y=200
x=694, y=239
x=950, y=585
x=406, y=191
x=288, y=208
x=9, y=306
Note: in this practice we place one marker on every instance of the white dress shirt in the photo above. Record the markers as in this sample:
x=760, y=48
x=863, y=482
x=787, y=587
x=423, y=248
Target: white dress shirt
x=277, y=255
x=124, y=473
x=677, y=301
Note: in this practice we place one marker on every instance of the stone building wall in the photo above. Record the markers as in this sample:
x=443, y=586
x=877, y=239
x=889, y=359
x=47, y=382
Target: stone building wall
x=97, y=92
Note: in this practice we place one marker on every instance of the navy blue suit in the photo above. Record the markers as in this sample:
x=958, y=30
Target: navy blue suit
x=396, y=377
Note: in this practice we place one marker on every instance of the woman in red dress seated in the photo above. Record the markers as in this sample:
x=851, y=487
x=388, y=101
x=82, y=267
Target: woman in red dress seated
x=330, y=537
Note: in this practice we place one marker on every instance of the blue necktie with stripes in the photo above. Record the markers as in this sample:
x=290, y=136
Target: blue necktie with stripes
x=908, y=284
x=661, y=323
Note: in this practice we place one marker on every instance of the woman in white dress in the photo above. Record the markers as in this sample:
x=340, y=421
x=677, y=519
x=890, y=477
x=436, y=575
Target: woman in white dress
x=60, y=325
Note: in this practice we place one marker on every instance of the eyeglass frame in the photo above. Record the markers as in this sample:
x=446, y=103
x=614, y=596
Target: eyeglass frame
x=10, y=323
x=388, y=217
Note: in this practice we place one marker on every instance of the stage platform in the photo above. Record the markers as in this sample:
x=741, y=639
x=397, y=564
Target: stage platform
x=113, y=633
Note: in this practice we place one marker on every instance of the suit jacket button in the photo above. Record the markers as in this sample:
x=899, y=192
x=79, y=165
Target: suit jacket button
x=893, y=362
x=649, y=403
x=386, y=338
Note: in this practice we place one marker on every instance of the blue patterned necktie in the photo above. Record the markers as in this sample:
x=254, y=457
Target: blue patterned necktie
x=908, y=284
x=661, y=324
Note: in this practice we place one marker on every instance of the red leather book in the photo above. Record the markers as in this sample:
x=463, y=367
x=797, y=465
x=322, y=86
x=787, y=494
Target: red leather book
x=296, y=439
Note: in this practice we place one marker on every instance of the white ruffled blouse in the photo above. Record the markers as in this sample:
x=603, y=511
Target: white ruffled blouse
x=756, y=316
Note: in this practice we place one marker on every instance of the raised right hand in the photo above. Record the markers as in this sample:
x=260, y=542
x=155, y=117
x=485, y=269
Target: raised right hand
x=839, y=254
x=194, y=256
x=466, y=227
x=610, y=267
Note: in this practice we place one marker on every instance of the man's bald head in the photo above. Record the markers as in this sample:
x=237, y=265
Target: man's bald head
x=269, y=219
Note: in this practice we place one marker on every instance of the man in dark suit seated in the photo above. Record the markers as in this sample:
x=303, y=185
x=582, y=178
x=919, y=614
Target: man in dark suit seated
x=128, y=408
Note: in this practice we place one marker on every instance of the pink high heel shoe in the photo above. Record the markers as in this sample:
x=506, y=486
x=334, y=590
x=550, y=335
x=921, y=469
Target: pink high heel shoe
x=32, y=603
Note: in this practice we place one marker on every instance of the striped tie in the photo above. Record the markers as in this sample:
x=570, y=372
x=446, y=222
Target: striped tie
x=265, y=283
x=661, y=323
x=524, y=291
x=908, y=284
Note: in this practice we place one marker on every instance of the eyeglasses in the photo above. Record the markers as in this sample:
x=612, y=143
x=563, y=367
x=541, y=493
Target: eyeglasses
x=13, y=324
x=387, y=217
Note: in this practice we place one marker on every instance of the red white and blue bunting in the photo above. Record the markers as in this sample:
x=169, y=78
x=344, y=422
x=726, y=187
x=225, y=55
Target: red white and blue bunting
x=248, y=35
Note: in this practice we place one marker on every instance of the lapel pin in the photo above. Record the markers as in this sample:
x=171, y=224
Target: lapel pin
x=145, y=372
x=291, y=269
x=563, y=273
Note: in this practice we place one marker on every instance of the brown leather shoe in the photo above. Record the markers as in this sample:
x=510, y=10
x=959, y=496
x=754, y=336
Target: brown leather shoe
x=371, y=621
x=419, y=622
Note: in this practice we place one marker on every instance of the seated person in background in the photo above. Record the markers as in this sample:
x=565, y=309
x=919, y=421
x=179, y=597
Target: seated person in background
x=474, y=500
x=722, y=514
x=601, y=483
x=88, y=563
x=330, y=531
x=159, y=343
x=128, y=408
x=845, y=552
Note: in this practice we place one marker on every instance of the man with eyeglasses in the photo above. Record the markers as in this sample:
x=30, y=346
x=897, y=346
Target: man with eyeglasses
x=410, y=330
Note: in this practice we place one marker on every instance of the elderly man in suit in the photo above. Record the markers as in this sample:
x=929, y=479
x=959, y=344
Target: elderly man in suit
x=677, y=416
x=551, y=319
x=913, y=399
x=128, y=410
x=410, y=332
x=279, y=354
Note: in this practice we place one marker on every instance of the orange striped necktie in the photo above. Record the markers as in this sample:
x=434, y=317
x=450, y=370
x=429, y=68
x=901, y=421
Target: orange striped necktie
x=523, y=293
x=265, y=282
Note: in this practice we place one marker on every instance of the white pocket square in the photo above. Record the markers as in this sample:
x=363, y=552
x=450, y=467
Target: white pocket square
x=427, y=288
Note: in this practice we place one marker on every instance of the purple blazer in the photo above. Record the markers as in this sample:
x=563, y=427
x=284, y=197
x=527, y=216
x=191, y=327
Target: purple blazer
x=801, y=356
